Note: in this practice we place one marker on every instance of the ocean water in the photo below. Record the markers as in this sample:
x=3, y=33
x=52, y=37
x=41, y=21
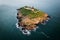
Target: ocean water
x=8, y=30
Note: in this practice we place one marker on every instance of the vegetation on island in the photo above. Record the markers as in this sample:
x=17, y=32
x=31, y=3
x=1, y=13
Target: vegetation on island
x=29, y=17
x=31, y=12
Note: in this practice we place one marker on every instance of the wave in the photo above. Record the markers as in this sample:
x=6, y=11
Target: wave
x=25, y=32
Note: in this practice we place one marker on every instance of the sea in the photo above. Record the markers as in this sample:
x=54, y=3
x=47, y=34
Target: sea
x=49, y=31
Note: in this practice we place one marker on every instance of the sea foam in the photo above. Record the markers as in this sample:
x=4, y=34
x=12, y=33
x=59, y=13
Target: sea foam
x=25, y=32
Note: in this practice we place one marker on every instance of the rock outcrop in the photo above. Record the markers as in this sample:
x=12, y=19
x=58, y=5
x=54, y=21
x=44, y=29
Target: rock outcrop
x=29, y=17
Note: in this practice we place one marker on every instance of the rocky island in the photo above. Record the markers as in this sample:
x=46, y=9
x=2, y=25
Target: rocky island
x=29, y=18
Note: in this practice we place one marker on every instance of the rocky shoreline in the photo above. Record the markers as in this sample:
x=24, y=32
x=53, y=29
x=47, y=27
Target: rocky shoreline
x=26, y=24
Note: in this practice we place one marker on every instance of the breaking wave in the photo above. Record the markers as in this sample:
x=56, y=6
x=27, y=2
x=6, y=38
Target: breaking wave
x=25, y=32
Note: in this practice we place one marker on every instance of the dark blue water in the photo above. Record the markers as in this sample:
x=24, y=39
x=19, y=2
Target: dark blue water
x=8, y=30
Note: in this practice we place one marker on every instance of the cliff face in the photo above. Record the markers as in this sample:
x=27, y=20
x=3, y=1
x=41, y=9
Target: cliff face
x=28, y=17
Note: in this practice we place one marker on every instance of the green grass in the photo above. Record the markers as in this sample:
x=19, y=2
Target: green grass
x=32, y=14
x=38, y=14
x=25, y=11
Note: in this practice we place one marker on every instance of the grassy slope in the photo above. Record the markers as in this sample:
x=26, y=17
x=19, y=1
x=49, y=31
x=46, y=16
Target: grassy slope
x=32, y=14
